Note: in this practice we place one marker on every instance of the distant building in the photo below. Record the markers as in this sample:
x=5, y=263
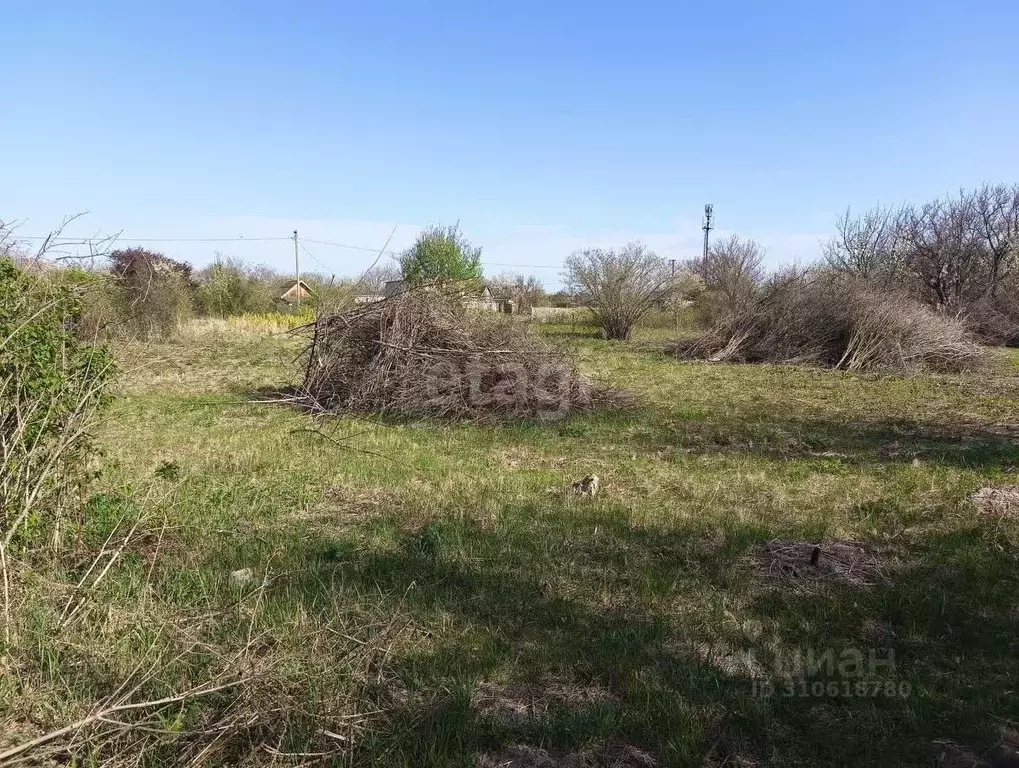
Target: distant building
x=504, y=303
x=299, y=289
x=483, y=298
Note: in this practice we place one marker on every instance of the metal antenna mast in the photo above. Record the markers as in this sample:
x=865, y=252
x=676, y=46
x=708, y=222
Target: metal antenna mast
x=709, y=224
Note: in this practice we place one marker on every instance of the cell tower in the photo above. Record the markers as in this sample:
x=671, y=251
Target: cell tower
x=709, y=224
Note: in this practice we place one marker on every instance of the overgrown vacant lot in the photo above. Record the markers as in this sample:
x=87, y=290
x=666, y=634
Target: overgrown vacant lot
x=424, y=594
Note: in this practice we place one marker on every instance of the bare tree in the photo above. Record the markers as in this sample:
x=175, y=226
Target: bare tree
x=619, y=286
x=525, y=291
x=730, y=274
x=868, y=246
x=944, y=251
x=997, y=212
x=958, y=254
x=374, y=279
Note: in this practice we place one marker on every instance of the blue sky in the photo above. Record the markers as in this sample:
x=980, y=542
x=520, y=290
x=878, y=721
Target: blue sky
x=540, y=126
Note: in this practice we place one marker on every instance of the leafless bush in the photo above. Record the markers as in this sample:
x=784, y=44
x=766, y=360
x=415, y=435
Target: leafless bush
x=730, y=276
x=421, y=353
x=620, y=287
x=812, y=317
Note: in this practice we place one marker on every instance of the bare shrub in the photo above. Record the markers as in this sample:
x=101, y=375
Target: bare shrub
x=994, y=319
x=526, y=292
x=421, y=353
x=730, y=276
x=373, y=281
x=620, y=287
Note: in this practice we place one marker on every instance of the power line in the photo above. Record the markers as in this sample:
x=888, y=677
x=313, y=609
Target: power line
x=346, y=245
x=72, y=240
x=242, y=239
x=313, y=257
x=396, y=253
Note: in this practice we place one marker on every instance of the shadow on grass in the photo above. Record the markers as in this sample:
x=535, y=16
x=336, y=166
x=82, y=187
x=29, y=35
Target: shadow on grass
x=598, y=602
x=790, y=436
x=948, y=622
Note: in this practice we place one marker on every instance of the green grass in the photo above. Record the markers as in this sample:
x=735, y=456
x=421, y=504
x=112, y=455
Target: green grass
x=400, y=568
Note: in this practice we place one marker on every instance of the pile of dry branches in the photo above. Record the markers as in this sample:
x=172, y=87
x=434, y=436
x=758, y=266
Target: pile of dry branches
x=809, y=318
x=422, y=353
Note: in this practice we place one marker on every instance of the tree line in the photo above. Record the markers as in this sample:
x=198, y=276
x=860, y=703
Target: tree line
x=956, y=255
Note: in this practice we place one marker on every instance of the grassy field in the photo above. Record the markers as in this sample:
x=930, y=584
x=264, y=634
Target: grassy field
x=421, y=594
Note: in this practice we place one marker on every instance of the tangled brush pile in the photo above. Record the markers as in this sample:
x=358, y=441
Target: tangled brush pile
x=804, y=319
x=422, y=353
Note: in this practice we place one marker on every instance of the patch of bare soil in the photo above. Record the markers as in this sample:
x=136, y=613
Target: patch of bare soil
x=997, y=500
x=347, y=504
x=808, y=563
x=897, y=449
x=728, y=658
x=609, y=756
x=523, y=701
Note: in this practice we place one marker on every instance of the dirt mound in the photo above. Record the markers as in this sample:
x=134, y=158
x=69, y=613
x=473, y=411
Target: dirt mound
x=423, y=353
x=817, y=563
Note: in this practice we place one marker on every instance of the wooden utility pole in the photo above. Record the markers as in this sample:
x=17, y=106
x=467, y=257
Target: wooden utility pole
x=297, y=270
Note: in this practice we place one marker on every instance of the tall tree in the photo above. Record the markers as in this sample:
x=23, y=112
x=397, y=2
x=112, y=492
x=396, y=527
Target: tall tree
x=439, y=254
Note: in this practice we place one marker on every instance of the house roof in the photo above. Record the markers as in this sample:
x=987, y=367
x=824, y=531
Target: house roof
x=298, y=285
x=393, y=287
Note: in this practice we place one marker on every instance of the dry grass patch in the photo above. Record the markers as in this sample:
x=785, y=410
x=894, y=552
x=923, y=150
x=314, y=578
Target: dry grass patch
x=522, y=701
x=997, y=500
x=808, y=563
x=609, y=756
x=349, y=504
